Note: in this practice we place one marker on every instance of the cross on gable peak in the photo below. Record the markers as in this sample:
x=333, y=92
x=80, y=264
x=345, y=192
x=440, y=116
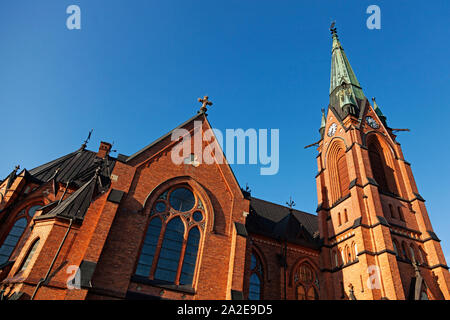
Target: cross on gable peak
x=205, y=102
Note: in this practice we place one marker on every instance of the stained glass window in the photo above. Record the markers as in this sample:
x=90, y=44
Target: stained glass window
x=256, y=275
x=182, y=199
x=190, y=257
x=149, y=247
x=255, y=287
x=171, y=213
x=169, y=256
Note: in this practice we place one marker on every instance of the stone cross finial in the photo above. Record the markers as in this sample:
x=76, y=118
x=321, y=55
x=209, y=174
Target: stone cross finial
x=205, y=102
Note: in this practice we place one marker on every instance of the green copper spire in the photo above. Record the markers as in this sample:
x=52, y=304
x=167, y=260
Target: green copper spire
x=377, y=110
x=322, y=123
x=345, y=90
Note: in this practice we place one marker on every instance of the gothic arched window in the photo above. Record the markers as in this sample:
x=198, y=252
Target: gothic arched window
x=395, y=244
x=404, y=251
x=400, y=214
x=305, y=282
x=412, y=253
x=335, y=259
x=423, y=256
x=170, y=248
x=16, y=232
x=256, y=274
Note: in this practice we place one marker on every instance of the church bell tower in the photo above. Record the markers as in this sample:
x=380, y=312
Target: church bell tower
x=377, y=238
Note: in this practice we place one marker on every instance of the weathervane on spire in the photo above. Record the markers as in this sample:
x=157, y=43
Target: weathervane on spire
x=205, y=102
x=333, y=28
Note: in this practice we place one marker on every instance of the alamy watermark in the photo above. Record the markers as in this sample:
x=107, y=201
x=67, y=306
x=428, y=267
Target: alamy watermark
x=205, y=150
x=74, y=20
x=374, y=20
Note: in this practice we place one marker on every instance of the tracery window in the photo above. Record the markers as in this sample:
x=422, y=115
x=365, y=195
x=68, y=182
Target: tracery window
x=170, y=248
x=256, y=275
x=305, y=282
x=16, y=232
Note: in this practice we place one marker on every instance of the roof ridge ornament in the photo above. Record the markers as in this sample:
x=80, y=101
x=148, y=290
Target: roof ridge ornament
x=84, y=145
x=205, y=102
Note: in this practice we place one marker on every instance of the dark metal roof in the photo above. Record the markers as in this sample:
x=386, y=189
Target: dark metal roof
x=77, y=167
x=76, y=205
x=275, y=221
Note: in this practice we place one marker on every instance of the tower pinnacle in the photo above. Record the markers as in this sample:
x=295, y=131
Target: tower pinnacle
x=345, y=90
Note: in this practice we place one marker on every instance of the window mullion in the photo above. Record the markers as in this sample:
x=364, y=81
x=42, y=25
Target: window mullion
x=180, y=262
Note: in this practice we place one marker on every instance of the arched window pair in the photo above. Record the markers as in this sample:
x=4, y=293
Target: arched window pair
x=340, y=218
x=304, y=280
x=170, y=248
x=409, y=252
x=256, y=276
x=399, y=212
x=16, y=232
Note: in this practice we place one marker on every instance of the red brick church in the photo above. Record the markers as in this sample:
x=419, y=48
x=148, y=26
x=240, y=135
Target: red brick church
x=91, y=226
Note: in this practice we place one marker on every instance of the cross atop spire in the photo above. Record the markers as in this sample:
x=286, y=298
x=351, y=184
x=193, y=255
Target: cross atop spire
x=333, y=28
x=205, y=102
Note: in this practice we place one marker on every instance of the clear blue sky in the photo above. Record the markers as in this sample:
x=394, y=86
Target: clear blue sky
x=136, y=68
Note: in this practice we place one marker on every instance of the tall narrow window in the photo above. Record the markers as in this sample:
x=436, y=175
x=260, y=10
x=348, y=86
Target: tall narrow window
x=12, y=239
x=149, y=247
x=411, y=253
x=190, y=257
x=391, y=210
x=423, y=256
x=30, y=254
x=404, y=251
x=335, y=259
x=400, y=214
x=395, y=244
x=354, y=251
x=171, y=244
x=339, y=219
x=345, y=216
x=344, y=181
x=169, y=256
x=256, y=274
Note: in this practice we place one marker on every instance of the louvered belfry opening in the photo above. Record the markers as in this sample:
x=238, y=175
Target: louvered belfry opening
x=382, y=173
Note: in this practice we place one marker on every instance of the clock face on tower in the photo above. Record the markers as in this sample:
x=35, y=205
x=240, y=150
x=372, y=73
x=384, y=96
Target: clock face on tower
x=372, y=123
x=332, y=130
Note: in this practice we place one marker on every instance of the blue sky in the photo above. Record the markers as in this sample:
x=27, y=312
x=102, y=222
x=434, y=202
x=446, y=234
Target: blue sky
x=136, y=68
